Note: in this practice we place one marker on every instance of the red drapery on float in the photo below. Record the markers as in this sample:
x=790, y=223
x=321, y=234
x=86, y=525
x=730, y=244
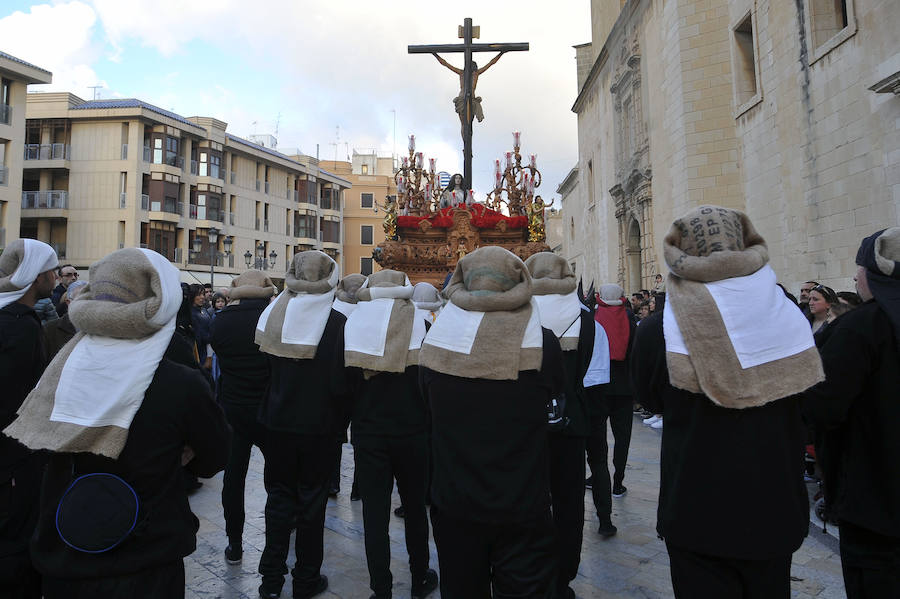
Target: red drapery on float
x=482, y=217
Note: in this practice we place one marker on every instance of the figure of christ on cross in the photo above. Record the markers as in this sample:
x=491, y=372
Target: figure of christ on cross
x=467, y=105
x=467, y=110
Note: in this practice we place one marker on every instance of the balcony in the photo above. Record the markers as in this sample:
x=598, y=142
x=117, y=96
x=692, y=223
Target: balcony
x=5, y=114
x=47, y=151
x=233, y=178
x=173, y=159
x=123, y=199
x=266, y=225
x=194, y=168
x=206, y=213
x=267, y=187
x=170, y=206
x=45, y=200
x=231, y=218
x=4, y=175
x=124, y=151
x=258, y=185
x=295, y=195
x=148, y=154
x=145, y=201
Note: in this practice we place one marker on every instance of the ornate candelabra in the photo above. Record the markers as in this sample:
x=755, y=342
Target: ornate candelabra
x=418, y=189
x=514, y=189
x=514, y=185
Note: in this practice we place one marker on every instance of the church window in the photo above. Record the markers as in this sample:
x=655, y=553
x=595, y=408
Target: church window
x=747, y=90
x=828, y=24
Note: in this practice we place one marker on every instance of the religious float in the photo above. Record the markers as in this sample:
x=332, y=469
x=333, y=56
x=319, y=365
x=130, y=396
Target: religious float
x=429, y=228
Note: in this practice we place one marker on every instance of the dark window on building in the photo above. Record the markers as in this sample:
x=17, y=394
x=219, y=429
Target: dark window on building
x=365, y=266
x=366, y=200
x=365, y=234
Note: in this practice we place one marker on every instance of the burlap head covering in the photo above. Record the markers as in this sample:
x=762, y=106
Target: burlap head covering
x=397, y=349
x=550, y=274
x=89, y=393
x=251, y=284
x=611, y=294
x=495, y=281
x=20, y=264
x=879, y=253
x=710, y=244
x=427, y=297
x=309, y=290
x=348, y=288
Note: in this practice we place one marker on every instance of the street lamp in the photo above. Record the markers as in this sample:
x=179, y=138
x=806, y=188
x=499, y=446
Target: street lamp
x=247, y=258
x=213, y=235
x=272, y=257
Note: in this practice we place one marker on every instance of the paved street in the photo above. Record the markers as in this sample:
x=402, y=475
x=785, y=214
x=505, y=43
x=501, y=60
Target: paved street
x=634, y=564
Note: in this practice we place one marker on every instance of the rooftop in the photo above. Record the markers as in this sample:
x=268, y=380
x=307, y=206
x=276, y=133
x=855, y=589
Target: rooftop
x=22, y=62
x=131, y=103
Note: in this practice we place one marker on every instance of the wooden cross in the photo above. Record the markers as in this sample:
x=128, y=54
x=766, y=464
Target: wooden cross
x=468, y=79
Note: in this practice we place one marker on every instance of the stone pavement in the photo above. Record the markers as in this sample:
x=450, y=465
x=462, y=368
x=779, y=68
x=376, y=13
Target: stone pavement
x=633, y=564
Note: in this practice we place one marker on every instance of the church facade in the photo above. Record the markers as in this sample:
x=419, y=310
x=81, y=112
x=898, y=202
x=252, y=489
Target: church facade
x=788, y=111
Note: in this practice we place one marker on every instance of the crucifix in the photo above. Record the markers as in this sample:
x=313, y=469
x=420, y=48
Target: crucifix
x=467, y=104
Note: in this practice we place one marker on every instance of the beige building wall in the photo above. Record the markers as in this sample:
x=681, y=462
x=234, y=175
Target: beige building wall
x=95, y=180
x=372, y=179
x=777, y=108
x=15, y=76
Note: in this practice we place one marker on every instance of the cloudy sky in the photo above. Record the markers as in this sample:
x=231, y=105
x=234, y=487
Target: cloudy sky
x=328, y=73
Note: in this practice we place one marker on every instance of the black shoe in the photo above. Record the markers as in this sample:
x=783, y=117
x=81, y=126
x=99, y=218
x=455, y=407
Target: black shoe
x=400, y=512
x=589, y=482
x=422, y=589
x=619, y=491
x=265, y=594
x=607, y=529
x=311, y=591
x=234, y=553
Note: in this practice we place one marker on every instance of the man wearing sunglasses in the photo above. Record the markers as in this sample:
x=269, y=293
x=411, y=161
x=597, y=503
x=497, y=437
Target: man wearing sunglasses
x=67, y=276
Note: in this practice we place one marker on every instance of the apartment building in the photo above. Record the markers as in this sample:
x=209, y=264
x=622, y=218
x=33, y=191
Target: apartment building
x=372, y=179
x=15, y=76
x=106, y=174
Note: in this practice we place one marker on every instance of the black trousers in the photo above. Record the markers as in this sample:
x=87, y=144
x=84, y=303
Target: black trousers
x=296, y=477
x=246, y=432
x=698, y=576
x=334, y=481
x=618, y=410
x=476, y=558
x=161, y=582
x=871, y=563
x=567, y=494
x=379, y=460
x=20, y=488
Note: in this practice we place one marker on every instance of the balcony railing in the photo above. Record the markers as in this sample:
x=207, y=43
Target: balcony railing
x=175, y=160
x=295, y=195
x=233, y=177
x=205, y=213
x=257, y=224
x=47, y=151
x=231, y=218
x=170, y=206
x=148, y=154
x=145, y=201
x=123, y=199
x=194, y=169
x=124, y=151
x=49, y=200
x=266, y=225
x=5, y=114
x=267, y=187
x=258, y=184
x=4, y=175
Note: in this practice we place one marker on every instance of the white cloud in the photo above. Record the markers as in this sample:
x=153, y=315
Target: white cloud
x=57, y=38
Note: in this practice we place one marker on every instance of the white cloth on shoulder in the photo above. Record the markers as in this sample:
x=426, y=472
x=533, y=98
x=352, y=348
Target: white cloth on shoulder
x=561, y=313
x=104, y=379
x=762, y=324
x=455, y=330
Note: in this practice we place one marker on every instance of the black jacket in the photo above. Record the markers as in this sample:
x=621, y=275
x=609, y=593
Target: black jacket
x=178, y=410
x=489, y=441
x=387, y=404
x=23, y=357
x=575, y=363
x=857, y=409
x=731, y=481
x=310, y=397
x=244, y=369
x=201, y=321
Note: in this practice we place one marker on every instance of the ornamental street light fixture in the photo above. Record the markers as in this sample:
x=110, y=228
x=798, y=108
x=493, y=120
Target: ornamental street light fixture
x=213, y=235
x=272, y=257
x=248, y=257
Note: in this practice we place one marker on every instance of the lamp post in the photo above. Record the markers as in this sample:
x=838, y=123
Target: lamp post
x=213, y=235
x=259, y=258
